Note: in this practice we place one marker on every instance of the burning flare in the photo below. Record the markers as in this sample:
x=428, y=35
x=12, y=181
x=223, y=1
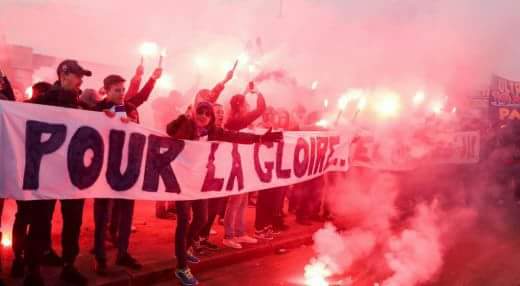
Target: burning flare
x=419, y=97
x=362, y=103
x=6, y=241
x=389, y=105
x=148, y=49
x=29, y=92
x=316, y=273
x=314, y=85
x=437, y=106
x=343, y=102
x=326, y=103
x=323, y=123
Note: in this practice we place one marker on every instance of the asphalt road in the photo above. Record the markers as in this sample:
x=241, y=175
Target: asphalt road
x=275, y=269
x=482, y=256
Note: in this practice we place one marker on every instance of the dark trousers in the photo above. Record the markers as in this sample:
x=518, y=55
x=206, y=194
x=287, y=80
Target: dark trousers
x=115, y=216
x=1, y=209
x=215, y=207
x=294, y=197
x=185, y=232
x=1, y=212
x=310, y=199
x=124, y=210
x=279, y=199
x=265, y=208
x=40, y=223
x=20, y=225
x=161, y=207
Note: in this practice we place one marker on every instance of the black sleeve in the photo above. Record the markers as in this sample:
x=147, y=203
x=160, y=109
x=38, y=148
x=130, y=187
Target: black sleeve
x=236, y=137
x=42, y=99
x=174, y=126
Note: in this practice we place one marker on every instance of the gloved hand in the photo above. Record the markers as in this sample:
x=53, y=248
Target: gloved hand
x=270, y=136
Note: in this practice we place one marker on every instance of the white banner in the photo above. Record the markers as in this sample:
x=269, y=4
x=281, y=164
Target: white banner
x=58, y=153
x=401, y=154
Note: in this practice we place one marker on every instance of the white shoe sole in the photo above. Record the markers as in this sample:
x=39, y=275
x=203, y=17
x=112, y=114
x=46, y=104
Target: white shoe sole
x=232, y=246
x=247, y=242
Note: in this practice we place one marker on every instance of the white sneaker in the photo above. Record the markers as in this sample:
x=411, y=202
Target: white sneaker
x=246, y=239
x=231, y=243
x=212, y=232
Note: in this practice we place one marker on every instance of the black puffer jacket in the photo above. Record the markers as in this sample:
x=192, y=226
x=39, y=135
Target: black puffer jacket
x=57, y=96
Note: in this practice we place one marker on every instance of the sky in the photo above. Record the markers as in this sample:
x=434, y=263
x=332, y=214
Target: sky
x=340, y=43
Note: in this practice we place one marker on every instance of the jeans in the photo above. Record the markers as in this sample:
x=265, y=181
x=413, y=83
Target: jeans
x=40, y=221
x=124, y=210
x=185, y=232
x=214, y=207
x=223, y=207
x=234, y=225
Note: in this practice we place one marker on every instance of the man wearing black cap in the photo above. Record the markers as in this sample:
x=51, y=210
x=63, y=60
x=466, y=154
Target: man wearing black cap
x=64, y=93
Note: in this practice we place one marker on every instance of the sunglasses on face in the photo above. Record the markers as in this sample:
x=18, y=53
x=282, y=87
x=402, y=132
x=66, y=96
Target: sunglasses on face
x=204, y=111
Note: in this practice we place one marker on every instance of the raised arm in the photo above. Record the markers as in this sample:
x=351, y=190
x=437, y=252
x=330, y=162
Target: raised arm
x=216, y=91
x=135, y=82
x=143, y=95
x=251, y=116
x=247, y=138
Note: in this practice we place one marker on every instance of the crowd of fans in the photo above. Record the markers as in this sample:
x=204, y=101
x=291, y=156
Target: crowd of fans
x=206, y=119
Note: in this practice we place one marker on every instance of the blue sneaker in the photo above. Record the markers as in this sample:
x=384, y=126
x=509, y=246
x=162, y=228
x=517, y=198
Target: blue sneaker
x=192, y=258
x=185, y=277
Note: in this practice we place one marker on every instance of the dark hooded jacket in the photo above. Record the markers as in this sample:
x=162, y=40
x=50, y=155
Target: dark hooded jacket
x=186, y=129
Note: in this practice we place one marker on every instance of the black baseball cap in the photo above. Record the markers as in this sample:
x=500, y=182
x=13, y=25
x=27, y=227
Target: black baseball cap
x=72, y=66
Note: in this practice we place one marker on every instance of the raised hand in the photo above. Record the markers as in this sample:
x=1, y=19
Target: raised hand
x=139, y=71
x=157, y=73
